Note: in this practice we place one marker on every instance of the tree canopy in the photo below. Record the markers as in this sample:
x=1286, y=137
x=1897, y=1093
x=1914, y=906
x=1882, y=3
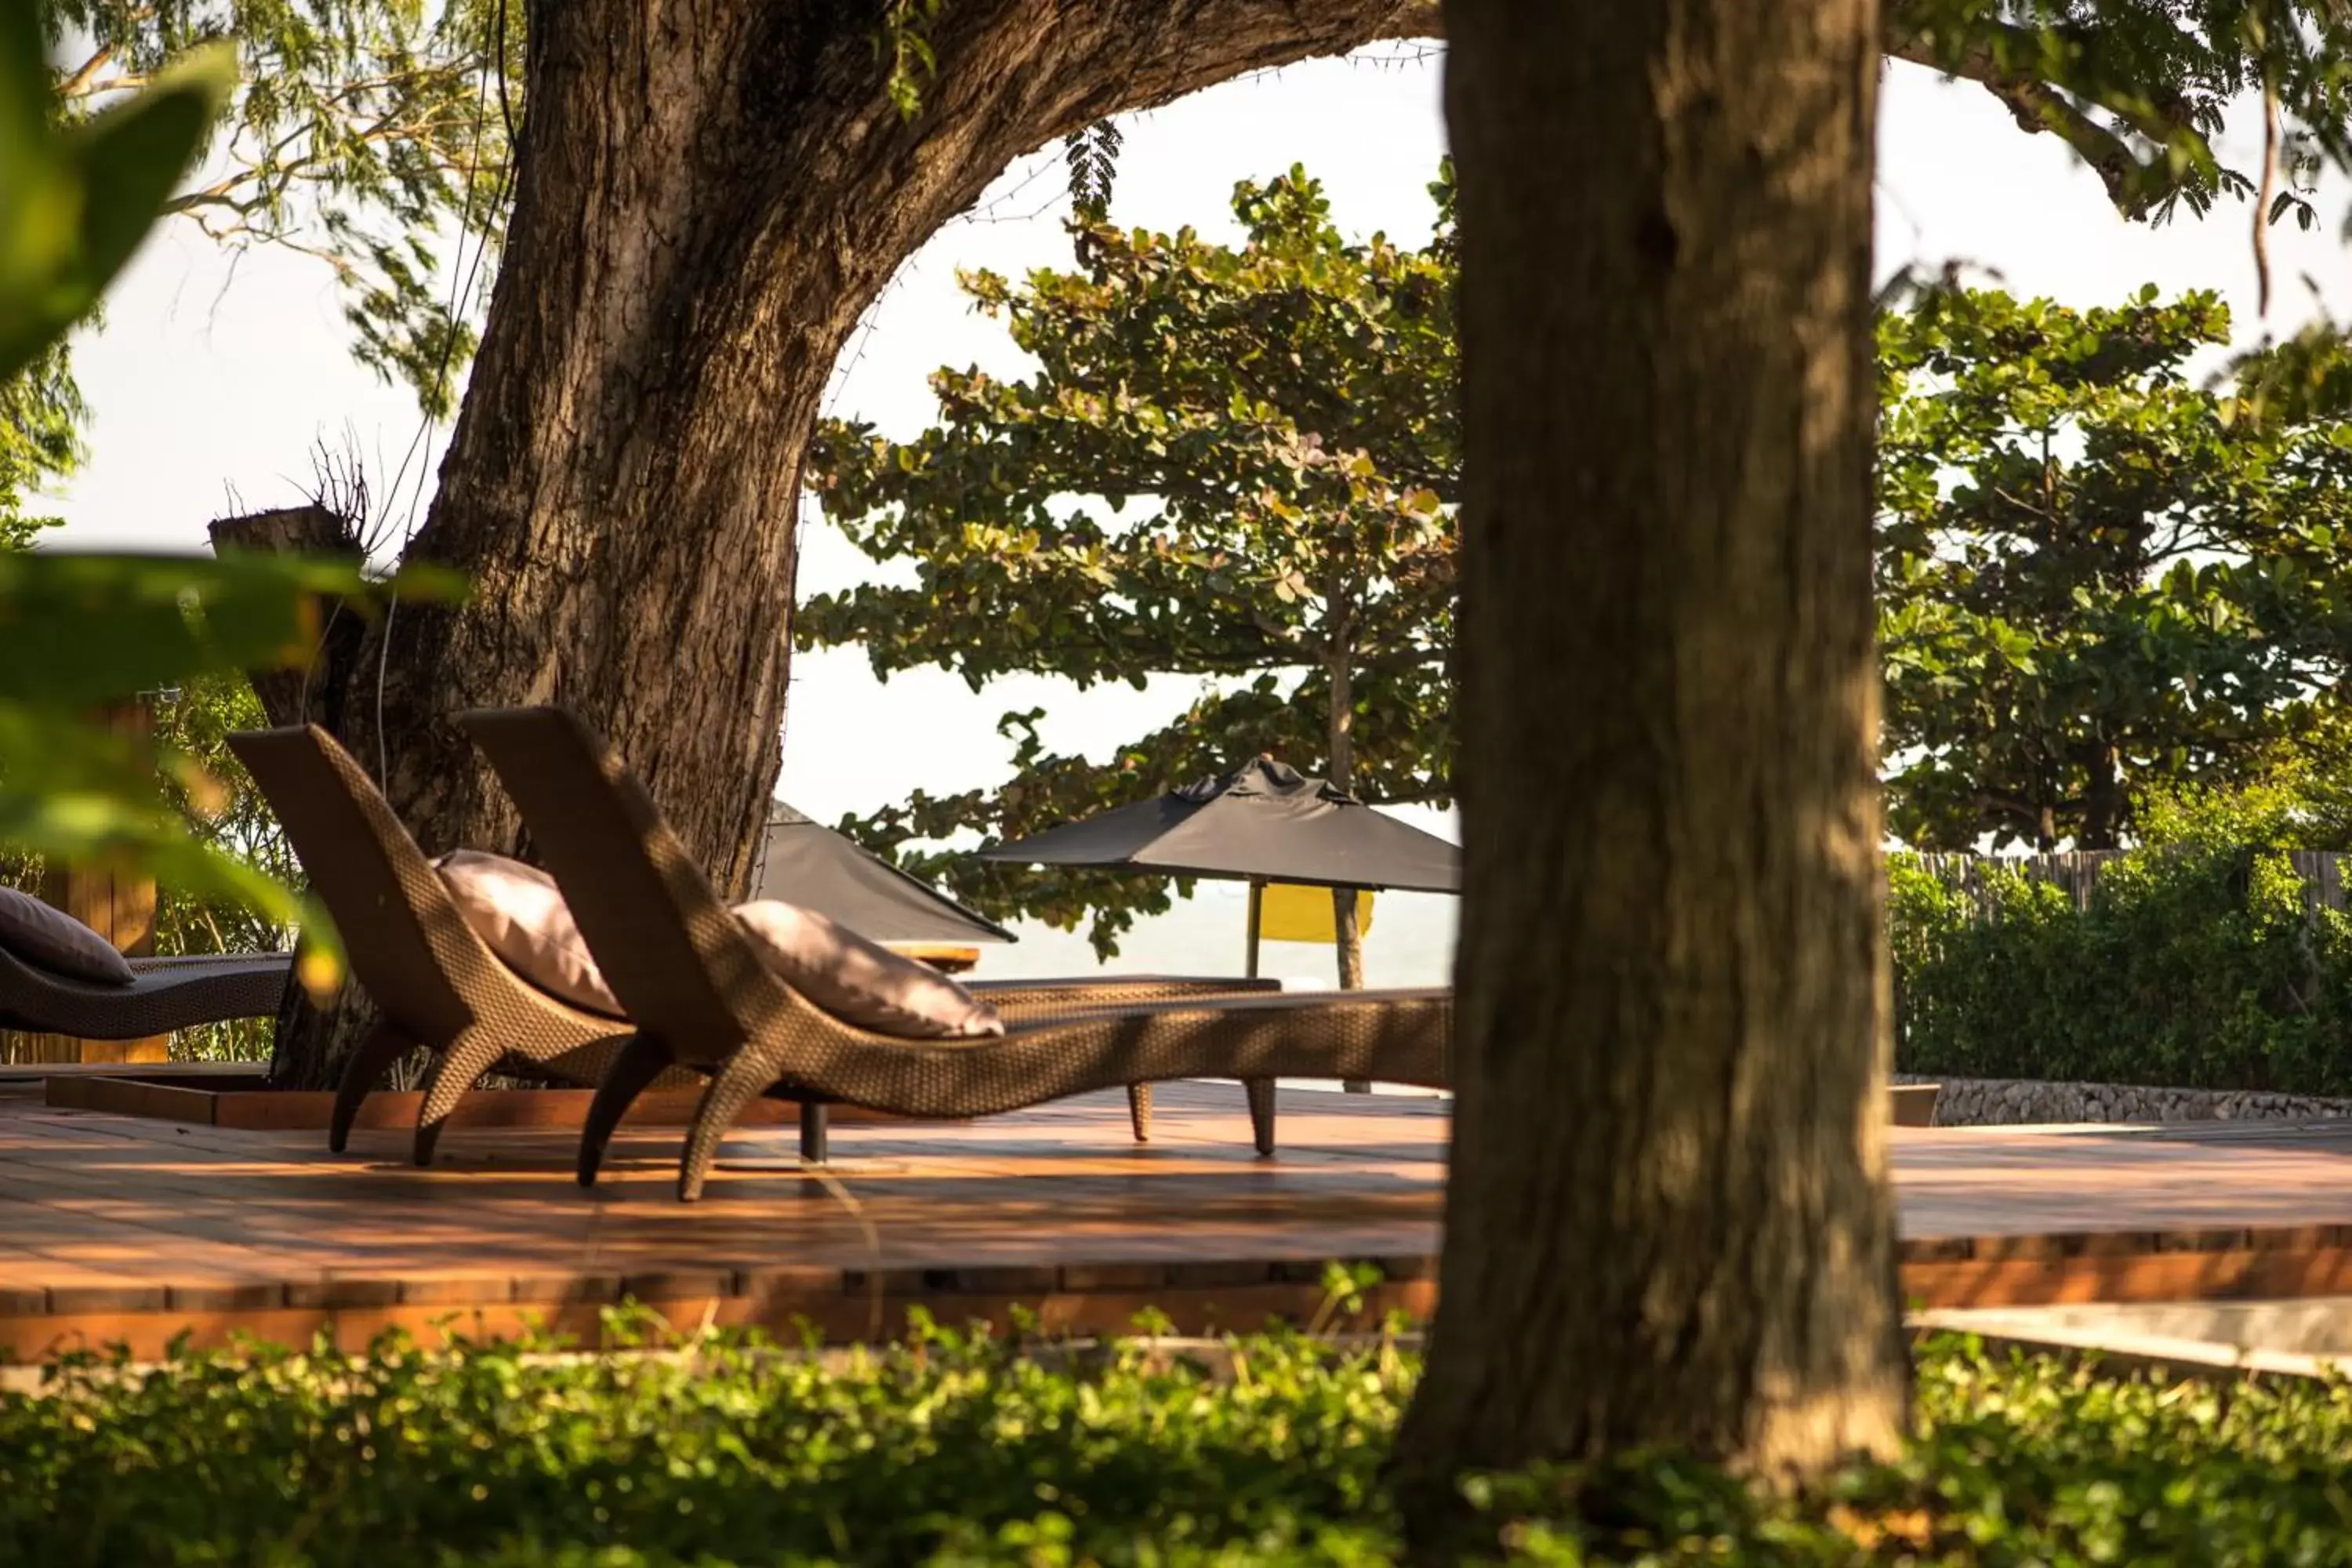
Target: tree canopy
x=2096, y=574
x=366, y=134
x=371, y=136
x=375, y=136
x=1234, y=462
x=2138, y=88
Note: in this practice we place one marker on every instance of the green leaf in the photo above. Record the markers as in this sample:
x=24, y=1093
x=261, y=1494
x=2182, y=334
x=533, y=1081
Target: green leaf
x=76, y=202
x=76, y=630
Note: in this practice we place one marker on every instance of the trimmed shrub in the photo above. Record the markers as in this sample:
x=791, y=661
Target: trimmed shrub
x=955, y=1449
x=2196, y=963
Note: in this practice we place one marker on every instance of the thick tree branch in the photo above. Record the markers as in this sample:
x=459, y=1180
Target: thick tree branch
x=1167, y=48
x=1999, y=50
x=2132, y=184
x=1996, y=57
x=1415, y=19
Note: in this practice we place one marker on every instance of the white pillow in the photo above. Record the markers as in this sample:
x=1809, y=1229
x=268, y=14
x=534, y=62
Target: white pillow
x=520, y=914
x=861, y=983
x=52, y=940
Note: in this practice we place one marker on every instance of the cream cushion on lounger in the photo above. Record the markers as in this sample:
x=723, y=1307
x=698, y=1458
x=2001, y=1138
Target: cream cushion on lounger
x=53, y=939
x=520, y=915
x=860, y=981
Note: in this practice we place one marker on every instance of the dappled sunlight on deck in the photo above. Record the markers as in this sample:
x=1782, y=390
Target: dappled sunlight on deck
x=132, y=1228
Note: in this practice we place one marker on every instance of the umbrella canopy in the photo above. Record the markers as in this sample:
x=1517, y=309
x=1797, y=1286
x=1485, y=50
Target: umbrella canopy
x=815, y=867
x=1263, y=822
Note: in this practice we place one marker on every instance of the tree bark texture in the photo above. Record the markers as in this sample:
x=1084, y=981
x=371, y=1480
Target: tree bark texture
x=1668, y=1219
x=710, y=195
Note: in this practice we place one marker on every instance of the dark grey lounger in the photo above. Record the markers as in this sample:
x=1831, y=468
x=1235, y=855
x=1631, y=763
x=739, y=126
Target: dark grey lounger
x=169, y=994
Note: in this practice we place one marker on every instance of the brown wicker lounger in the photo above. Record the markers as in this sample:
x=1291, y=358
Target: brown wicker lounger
x=168, y=994
x=1016, y=1000
x=702, y=997
x=434, y=981
x=438, y=985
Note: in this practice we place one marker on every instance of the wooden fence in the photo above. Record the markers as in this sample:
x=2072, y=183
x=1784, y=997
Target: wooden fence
x=2077, y=872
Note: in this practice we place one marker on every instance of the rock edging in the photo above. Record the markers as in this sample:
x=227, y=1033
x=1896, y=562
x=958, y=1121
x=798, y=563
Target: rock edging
x=2010, y=1102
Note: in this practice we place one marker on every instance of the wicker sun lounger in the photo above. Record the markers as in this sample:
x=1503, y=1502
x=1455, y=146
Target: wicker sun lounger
x=702, y=997
x=434, y=983
x=437, y=985
x=167, y=994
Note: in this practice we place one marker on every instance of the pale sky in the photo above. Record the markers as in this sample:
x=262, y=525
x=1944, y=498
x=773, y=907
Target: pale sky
x=211, y=384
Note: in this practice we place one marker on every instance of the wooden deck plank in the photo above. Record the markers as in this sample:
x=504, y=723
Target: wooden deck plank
x=115, y=1227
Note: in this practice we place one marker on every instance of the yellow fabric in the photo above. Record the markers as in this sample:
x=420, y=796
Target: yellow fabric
x=1293, y=913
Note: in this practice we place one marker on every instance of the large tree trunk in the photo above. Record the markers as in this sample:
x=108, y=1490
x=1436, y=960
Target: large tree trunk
x=1668, y=1220
x=710, y=195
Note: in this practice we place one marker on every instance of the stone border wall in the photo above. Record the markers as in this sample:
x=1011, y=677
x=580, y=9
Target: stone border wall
x=2009, y=1102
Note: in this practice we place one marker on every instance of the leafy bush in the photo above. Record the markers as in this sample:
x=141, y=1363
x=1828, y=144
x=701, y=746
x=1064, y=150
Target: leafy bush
x=957, y=1449
x=2196, y=963
x=945, y=1446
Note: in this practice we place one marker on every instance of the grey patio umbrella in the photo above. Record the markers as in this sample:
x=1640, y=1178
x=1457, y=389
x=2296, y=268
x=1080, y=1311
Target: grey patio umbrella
x=806, y=864
x=1261, y=823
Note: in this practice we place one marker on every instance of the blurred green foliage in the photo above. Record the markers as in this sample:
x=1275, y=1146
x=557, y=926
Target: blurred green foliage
x=76, y=200
x=81, y=633
x=955, y=1448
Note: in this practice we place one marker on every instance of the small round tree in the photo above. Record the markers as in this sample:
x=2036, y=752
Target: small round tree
x=1232, y=462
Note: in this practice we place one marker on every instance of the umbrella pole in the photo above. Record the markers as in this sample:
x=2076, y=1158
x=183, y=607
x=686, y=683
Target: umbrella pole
x=1256, y=917
x=1350, y=1085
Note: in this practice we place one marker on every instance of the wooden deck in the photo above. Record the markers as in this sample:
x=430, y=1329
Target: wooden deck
x=122, y=1229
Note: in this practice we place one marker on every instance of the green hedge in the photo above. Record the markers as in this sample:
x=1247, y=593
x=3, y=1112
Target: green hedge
x=2194, y=966
x=955, y=1450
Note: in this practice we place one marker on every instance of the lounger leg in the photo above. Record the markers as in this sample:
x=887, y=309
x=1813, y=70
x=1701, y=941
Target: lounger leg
x=743, y=1079
x=468, y=1059
x=1261, y=1110
x=1138, y=1110
x=383, y=1046
x=640, y=1061
x=813, y=1121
